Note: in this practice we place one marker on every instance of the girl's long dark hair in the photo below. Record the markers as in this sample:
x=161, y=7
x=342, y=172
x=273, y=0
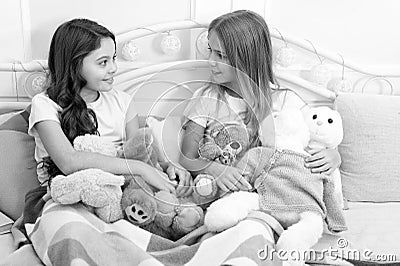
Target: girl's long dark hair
x=71, y=43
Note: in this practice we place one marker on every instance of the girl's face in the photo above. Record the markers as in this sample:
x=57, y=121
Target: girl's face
x=221, y=70
x=98, y=69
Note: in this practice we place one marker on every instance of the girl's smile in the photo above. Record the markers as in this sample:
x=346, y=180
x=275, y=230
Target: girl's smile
x=109, y=80
x=98, y=69
x=221, y=70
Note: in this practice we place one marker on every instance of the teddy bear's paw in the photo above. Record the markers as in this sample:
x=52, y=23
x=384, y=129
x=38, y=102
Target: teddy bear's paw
x=110, y=213
x=230, y=210
x=102, y=178
x=100, y=196
x=164, y=220
x=205, y=186
x=294, y=241
x=63, y=191
x=288, y=244
x=188, y=219
x=95, y=197
x=166, y=202
x=136, y=214
x=286, y=241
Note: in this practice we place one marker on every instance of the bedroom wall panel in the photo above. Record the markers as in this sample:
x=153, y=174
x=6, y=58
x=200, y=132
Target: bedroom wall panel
x=11, y=31
x=364, y=30
x=118, y=16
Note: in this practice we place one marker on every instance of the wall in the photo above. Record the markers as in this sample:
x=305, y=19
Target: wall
x=363, y=30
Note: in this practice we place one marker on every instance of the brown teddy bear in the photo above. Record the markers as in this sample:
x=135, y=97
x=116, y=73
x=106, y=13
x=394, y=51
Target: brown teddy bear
x=161, y=212
x=226, y=144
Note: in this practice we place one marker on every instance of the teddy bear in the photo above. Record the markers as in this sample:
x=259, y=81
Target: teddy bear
x=300, y=200
x=98, y=190
x=161, y=212
x=225, y=144
x=326, y=132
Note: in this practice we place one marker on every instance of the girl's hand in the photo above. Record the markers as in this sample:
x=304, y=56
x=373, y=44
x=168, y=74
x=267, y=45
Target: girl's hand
x=323, y=161
x=179, y=174
x=229, y=178
x=158, y=179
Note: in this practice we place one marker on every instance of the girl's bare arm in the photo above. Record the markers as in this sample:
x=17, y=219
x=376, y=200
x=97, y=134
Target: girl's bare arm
x=68, y=160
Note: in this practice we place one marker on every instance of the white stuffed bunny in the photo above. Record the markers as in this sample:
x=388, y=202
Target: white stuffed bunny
x=326, y=132
x=286, y=189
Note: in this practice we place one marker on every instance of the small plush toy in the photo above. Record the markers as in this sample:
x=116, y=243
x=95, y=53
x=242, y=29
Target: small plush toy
x=286, y=189
x=326, y=132
x=226, y=144
x=161, y=212
x=96, y=189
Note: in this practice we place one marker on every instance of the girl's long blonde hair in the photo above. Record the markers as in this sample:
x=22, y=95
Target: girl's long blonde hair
x=245, y=36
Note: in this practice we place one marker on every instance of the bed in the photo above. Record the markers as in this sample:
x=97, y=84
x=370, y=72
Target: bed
x=162, y=65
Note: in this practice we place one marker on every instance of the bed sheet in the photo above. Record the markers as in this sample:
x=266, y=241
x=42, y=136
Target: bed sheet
x=372, y=238
x=79, y=236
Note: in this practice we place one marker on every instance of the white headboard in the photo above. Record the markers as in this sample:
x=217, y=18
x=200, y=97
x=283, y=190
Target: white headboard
x=163, y=64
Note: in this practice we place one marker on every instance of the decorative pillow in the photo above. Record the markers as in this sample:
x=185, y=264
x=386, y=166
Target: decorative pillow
x=17, y=171
x=370, y=149
x=17, y=121
x=5, y=116
x=168, y=133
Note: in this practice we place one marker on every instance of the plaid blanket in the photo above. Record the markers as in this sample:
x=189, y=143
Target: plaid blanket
x=71, y=235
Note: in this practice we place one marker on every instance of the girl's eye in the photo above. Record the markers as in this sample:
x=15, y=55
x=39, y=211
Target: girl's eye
x=103, y=63
x=219, y=55
x=314, y=117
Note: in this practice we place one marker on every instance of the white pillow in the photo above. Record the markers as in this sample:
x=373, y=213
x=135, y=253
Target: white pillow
x=370, y=149
x=168, y=133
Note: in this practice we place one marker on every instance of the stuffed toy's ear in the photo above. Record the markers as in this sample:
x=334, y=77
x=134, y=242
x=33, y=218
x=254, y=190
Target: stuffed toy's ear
x=325, y=125
x=143, y=147
x=291, y=131
x=95, y=143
